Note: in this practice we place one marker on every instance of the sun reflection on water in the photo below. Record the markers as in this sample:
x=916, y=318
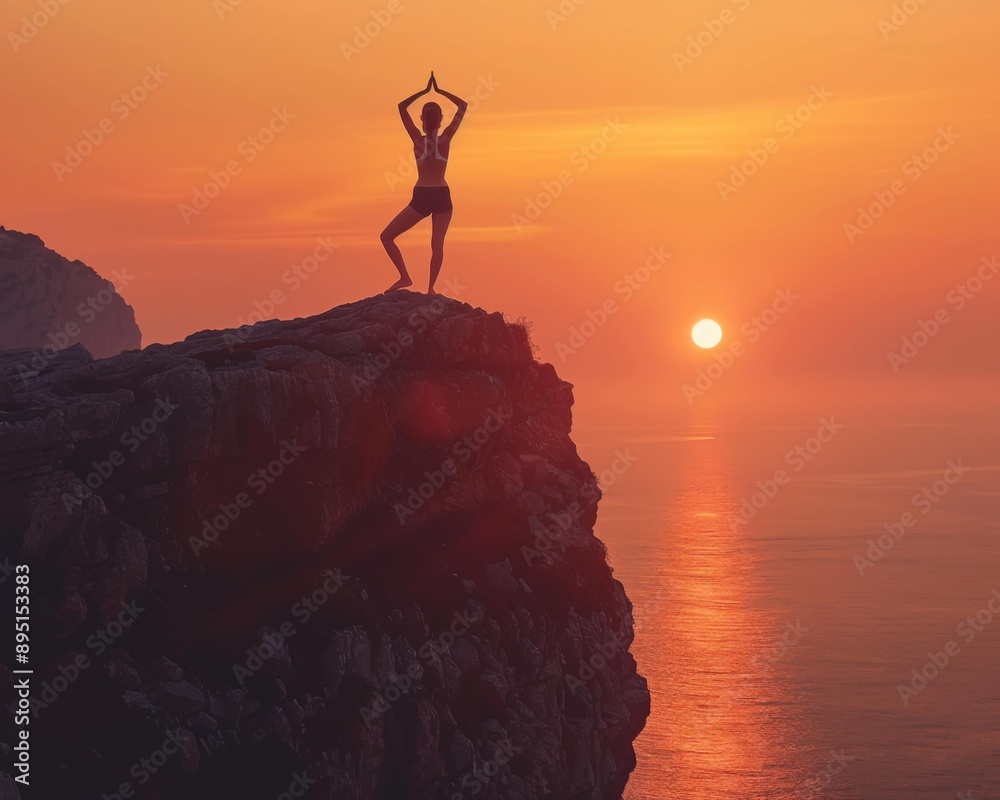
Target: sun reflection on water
x=722, y=726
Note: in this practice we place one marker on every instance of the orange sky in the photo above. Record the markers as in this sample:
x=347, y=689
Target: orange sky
x=549, y=88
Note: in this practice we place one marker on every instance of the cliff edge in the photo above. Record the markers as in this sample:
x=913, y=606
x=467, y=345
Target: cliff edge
x=350, y=556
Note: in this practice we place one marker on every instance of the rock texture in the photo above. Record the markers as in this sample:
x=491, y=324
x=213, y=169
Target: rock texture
x=48, y=303
x=351, y=554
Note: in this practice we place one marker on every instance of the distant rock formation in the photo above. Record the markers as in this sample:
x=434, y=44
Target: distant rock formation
x=352, y=554
x=48, y=303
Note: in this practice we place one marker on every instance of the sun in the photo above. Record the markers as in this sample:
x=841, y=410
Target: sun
x=706, y=333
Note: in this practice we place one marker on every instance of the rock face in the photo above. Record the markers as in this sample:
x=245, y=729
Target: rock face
x=350, y=555
x=48, y=303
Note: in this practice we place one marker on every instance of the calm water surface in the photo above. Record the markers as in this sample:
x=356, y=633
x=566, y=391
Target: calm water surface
x=774, y=664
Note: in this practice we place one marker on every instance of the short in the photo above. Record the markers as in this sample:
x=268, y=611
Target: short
x=431, y=200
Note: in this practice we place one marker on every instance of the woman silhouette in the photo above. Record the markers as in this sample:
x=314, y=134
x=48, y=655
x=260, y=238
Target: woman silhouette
x=431, y=195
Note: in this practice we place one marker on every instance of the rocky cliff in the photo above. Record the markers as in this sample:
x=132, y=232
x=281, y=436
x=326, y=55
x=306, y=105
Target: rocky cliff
x=350, y=555
x=48, y=303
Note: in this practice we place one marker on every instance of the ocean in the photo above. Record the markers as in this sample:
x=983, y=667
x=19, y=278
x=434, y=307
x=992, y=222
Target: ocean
x=817, y=605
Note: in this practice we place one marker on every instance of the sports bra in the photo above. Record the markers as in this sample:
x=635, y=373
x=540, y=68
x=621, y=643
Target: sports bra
x=437, y=153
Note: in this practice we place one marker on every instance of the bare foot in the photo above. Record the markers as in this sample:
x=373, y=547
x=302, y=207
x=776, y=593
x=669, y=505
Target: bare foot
x=430, y=291
x=402, y=283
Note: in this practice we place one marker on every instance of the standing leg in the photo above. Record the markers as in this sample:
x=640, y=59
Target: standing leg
x=439, y=223
x=401, y=223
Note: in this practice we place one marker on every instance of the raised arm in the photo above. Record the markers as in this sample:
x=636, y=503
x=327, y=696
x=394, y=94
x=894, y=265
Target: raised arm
x=404, y=109
x=459, y=114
